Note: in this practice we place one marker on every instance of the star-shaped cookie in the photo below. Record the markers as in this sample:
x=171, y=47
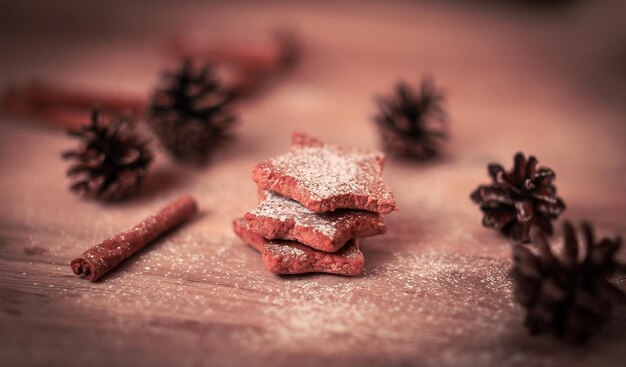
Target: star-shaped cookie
x=280, y=218
x=289, y=257
x=324, y=177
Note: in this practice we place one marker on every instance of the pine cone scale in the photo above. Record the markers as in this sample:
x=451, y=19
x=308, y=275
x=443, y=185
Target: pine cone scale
x=412, y=123
x=566, y=296
x=494, y=170
x=519, y=170
x=526, y=191
x=191, y=114
x=524, y=211
x=499, y=218
x=112, y=161
x=491, y=196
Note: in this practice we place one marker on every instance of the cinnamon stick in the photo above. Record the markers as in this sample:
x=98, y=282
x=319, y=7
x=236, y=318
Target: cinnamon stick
x=245, y=67
x=61, y=105
x=47, y=94
x=100, y=259
x=267, y=57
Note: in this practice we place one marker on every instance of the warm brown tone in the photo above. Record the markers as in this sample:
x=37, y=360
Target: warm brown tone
x=324, y=177
x=102, y=258
x=413, y=122
x=111, y=159
x=570, y=295
x=435, y=291
x=64, y=105
x=291, y=258
x=519, y=199
x=245, y=67
x=191, y=113
x=279, y=218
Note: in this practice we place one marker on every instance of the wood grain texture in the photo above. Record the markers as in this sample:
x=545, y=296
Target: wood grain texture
x=436, y=290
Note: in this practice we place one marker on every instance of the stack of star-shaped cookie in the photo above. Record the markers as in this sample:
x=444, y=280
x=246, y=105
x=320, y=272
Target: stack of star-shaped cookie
x=318, y=200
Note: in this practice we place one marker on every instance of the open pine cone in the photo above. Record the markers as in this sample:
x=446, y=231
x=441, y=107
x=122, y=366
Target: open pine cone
x=519, y=199
x=413, y=124
x=568, y=296
x=112, y=160
x=190, y=114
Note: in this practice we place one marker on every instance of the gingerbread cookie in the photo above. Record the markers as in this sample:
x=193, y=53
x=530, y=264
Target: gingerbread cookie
x=281, y=218
x=289, y=257
x=324, y=177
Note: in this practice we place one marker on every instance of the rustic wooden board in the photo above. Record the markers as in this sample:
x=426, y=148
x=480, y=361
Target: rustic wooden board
x=435, y=291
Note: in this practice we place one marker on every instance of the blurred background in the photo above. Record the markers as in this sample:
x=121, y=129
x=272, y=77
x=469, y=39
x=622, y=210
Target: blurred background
x=544, y=77
x=548, y=51
x=580, y=42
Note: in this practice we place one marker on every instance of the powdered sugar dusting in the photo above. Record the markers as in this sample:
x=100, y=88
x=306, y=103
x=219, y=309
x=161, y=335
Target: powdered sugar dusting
x=414, y=297
x=327, y=171
x=196, y=280
x=290, y=257
x=285, y=250
x=283, y=209
x=334, y=227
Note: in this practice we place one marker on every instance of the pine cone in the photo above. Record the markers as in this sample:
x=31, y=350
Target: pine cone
x=517, y=200
x=568, y=297
x=112, y=160
x=190, y=114
x=413, y=124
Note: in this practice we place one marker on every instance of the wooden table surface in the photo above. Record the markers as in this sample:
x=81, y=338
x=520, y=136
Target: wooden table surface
x=435, y=290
